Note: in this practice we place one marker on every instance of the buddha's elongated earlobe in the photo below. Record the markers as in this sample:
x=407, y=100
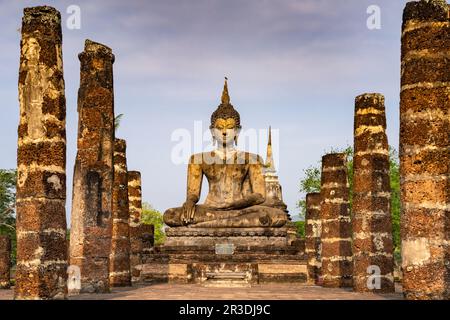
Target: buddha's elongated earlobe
x=214, y=140
x=236, y=137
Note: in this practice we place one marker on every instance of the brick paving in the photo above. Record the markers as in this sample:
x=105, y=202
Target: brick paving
x=257, y=292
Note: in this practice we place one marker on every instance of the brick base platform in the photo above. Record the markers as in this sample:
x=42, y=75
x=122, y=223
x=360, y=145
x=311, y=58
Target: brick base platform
x=190, y=236
x=236, y=257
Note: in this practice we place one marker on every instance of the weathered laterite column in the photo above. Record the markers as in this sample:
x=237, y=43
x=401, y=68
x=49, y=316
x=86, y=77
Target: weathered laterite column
x=5, y=261
x=372, y=224
x=147, y=237
x=135, y=207
x=91, y=222
x=119, y=269
x=337, y=263
x=41, y=160
x=425, y=150
x=313, y=231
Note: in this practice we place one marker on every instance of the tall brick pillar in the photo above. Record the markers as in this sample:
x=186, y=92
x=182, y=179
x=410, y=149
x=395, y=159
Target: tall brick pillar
x=41, y=159
x=5, y=261
x=425, y=150
x=372, y=224
x=91, y=222
x=119, y=269
x=337, y=263
x=148, y=237
x=313, y=231
x=135, y=206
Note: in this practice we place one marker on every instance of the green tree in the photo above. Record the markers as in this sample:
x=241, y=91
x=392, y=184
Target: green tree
x=7, y=206
x=117, y=120
x=395, y=197
x=152, y=216
x=300, y=225
x=310, y=182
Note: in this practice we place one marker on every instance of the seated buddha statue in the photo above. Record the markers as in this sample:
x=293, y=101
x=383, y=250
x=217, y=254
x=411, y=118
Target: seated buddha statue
x=236, y=183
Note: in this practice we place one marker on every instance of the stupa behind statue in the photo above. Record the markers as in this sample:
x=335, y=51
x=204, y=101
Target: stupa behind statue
x=236, y=235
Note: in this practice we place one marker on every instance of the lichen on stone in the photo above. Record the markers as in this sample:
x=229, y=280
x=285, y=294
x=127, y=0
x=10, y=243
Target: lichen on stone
x=46, y=15
x=426, y=10
x=439, y=3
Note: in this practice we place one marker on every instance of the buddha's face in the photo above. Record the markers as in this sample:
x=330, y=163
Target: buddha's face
x=225, y=131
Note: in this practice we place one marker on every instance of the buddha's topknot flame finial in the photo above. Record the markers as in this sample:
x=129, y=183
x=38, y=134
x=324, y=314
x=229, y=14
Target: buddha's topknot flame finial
x=225, y=110
x=225, y=95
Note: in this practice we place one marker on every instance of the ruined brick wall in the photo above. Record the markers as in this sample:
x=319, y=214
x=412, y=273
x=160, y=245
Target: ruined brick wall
x=372, y=225
x=5, y=261
x=135, y=208
x=313, y=231
x=337, y=263
x=91, y=223
x=119, y=270
x=425, y=150
x=41, y=159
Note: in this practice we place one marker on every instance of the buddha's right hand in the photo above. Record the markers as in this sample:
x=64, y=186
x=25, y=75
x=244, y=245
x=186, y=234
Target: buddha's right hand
x=188, y=212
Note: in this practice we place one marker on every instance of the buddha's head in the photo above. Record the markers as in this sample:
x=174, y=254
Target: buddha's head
x=225, y=121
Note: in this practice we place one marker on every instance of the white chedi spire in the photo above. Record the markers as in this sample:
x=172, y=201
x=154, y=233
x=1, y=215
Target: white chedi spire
x=274, y=194
x=269, y=165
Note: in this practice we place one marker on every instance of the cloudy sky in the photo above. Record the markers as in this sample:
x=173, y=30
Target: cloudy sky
x=296, y=65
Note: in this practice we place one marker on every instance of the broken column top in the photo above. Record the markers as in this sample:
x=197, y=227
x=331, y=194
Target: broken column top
x=376, y=98
x=44, y=14
x=334, y=160
x=313, y=201
x=134, y=175
x=96, y=48
x=426, y=10
x=44, y=19
x=120, y=145
x=368, y=107
x=93, y=46
x=313, y=198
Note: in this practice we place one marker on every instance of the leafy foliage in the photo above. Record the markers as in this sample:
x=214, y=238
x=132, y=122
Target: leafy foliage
x=117, y=120
x=395, y=196
x=300, y=228
x=152, y=216
x=7, y=206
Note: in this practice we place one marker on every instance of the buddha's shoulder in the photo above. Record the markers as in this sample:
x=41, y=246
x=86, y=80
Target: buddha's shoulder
x=242, y=157
x=202, y=157
x=197, y=158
